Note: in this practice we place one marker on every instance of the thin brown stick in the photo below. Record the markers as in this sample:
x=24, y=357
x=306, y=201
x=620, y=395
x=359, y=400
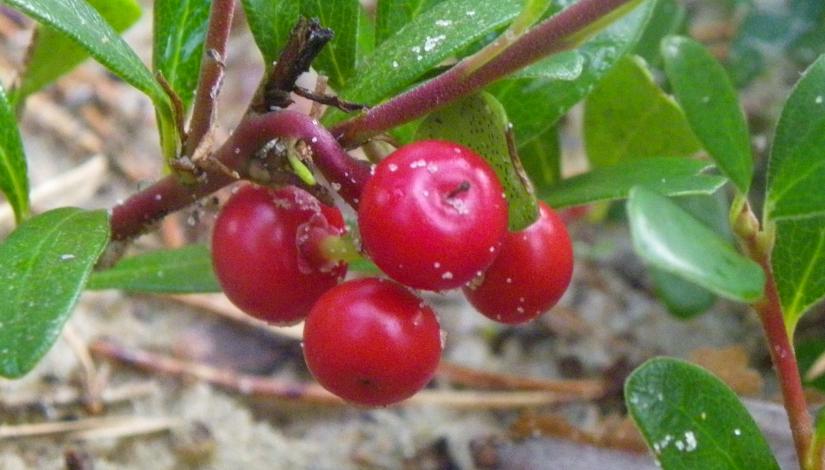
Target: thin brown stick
x=584, y=389
x=211, y=73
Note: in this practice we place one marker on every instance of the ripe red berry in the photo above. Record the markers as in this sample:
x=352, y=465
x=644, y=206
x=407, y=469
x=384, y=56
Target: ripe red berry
x=257, y=255
x=433, y=215
x=372, y=342
x=530, y=274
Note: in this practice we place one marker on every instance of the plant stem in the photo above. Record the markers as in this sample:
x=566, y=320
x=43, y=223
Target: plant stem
x=551, y=36
x=782, y=352
x=211, y=72
x=136, y=214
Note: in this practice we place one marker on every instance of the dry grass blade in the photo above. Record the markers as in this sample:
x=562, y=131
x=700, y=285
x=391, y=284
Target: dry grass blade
x=65, y=396
x=91, y=428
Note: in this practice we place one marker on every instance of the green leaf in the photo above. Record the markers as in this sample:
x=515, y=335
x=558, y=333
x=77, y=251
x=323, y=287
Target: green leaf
x=797, y=164
x=672, y=176
x=179, y=271
x=44, y=265
x=691, y=420
x=54, y=54
x=392, y=15
x=683, y=299
x=629, y=117
x=808, y=352
x=271, y=22
x=180, y=30
x=81, y=22
x=710, y=103
x=541, y=159
x=667, y=18
x=366, y=35
x=425, y=42
x=14, y=181
x=669, y=238
x=537, y=96
x=480, y=123
x=337, y=60
x=798, y=261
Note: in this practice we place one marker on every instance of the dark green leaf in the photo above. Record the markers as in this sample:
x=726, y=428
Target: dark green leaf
x=54, y=54
x=808, y=353
x=796, y=169
x=480, y=123
x=180, y=29
x=683, y=299
x=392, y=15
x=798, y=261
x=670, y=239
x=538, y=96
x=541, y=159
x=14, y=181
x=184, y=270
x=424, y=43
x=628, y=117
x=270, y=22
x=691, y=420
x=81, y=22
x=44, y=265
x=706, y=94
x=338, y=59
x=667, y=18
x=673, y=176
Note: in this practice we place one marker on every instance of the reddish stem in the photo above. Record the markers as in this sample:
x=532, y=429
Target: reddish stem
x=211, y=72
x=133, y=216
x=545, y=39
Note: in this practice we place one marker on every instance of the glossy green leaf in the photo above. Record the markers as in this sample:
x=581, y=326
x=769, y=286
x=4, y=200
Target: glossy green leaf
x=480, y=123
x=667, y=18
x=44, y=265
x=180, y=30
x=673, y=176
x=541, y=159
x=338, y=58
x=425, y=42
x=184, y=270
x=669, y=238
x=271, y=22
x=54, y=54
x=537, y=96
x=628, y=117
x=710, y=103
x=692, y=420
x=798, y=261
x=796, y=169
x=392, y=15
x=14, y=180
x=78, y=20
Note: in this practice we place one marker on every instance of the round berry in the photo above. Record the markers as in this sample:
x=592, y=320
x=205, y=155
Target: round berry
x=257, y=254
x=530, y=274
x=433, y=215
x=372, y=342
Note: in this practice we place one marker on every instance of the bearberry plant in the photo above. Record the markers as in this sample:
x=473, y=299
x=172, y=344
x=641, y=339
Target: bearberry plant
x=456, y=105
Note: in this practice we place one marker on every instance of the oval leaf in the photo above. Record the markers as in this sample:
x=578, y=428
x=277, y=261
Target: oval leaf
x=480, y=123
x=14, y=181
x=270, y=23
x=537, y=96
x=53, y=54
x=392, y=15
x=796, y=168
x=180, y=29
x=337, y=60
x=798, y=261
x=690, y=419
x=709, y=100
x=629, y=117
x=184, y=270
x=44, y=265
x=672, y=176
x=669, y=238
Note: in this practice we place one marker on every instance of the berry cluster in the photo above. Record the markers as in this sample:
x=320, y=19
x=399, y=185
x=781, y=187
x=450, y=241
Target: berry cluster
x=433, y=216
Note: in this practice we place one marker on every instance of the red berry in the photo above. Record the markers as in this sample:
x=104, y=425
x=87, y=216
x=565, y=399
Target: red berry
x=530, y=274
x=372, y=342
x=258, y=258
x=433, y=215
